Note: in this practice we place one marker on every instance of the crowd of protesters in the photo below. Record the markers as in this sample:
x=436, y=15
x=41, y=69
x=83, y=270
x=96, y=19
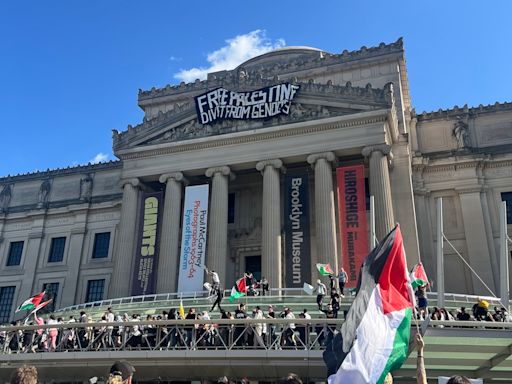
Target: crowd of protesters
x=132, y=335
x=479, y=312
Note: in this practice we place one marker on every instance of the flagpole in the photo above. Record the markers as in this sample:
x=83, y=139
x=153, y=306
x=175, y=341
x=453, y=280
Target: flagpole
x=504, y=275
x=440, y=257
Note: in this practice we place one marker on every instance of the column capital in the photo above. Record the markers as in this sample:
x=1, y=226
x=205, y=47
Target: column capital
x=223, y=170
x=275, y=163
x=176, y=176
x=134, y=182
x=314, y=157
x=382, y=148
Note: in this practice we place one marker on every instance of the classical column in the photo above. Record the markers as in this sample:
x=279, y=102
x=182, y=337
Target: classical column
x=380, y=188
x=271, y=222
x=218, y=221
x=325, y=219
x=121, y=275
x=170, y=234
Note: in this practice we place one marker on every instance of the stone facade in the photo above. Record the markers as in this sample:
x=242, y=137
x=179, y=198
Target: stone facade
x=352, y=107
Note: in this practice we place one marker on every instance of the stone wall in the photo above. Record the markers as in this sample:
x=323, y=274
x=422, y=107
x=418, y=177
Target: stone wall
x=74, y=203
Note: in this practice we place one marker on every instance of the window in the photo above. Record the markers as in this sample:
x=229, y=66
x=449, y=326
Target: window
x=95, y=290
x=6, y=298
x=15, y=252
x=101, y=243
x=507, y=196
x=57, y=250
x=231, y=208
x=52, y=290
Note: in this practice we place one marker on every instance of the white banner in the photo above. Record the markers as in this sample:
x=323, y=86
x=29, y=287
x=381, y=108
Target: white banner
x=193, y=240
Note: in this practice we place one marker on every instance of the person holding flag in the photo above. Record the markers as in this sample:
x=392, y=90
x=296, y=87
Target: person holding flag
x=238, y=290
x=419, y=281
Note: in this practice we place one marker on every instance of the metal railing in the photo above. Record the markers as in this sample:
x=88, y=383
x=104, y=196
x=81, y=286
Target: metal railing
x=221, y=334
x=187, y=297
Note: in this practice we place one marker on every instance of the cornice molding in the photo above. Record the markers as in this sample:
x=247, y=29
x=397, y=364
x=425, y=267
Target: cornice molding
x=272, y=133
x=50, y=173
x=465, y=110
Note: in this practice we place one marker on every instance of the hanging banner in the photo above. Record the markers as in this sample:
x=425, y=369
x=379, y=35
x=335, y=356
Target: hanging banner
x=296, y=230
x=148, y=238
x=352, y=214
x=193, y=240
x=221, y=103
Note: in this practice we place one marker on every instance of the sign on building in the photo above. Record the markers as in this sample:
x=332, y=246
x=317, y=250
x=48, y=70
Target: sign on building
x=221, y=104
x=193, y=240
x=148, y=238
x=352, y=216
x=296, y=230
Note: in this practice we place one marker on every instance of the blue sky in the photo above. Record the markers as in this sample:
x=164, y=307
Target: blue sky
x=70, y=70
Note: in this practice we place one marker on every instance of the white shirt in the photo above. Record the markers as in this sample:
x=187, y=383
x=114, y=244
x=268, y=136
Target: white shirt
x=215, y=277
x=290, y=316
x=321, y=288
x=110, y=319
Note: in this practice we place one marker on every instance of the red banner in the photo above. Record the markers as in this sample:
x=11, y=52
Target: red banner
x=352, y=214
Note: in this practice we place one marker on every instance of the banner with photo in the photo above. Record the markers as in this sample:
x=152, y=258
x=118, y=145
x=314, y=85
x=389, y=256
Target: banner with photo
x=352, y=216
x=193, y=240
x=296, y=230
x=148, y=238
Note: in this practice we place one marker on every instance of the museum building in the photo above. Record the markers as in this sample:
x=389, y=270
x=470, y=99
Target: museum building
x=266, y=168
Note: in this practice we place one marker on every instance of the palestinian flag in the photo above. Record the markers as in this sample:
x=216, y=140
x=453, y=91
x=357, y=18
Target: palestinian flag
x=324, y=269
x=31, y=303
x=419, y=276
x=42, y=305
x=374, y=340
x=238, y=290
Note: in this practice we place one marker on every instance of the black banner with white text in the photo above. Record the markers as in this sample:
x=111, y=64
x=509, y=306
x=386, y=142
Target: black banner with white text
x=148, y=238
x=296, y=230
x=221, y=104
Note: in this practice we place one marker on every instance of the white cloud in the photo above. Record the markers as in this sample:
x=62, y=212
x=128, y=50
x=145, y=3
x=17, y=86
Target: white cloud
x=100, y=157
x=237, y=50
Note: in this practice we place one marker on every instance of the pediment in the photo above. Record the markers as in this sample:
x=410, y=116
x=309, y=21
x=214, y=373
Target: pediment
x=313, y=101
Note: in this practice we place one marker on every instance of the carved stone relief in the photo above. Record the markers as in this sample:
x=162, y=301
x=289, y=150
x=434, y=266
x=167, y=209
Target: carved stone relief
x=44, y=191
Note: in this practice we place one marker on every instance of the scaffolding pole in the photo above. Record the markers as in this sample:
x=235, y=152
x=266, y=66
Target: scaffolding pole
x=372, y=223
x=504, y=275
x=439, y=253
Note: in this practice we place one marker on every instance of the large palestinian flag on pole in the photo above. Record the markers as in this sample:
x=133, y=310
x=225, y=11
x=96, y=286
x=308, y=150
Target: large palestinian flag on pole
x=374, y=340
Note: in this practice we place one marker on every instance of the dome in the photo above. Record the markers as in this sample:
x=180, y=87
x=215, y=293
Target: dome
x=281, y=54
